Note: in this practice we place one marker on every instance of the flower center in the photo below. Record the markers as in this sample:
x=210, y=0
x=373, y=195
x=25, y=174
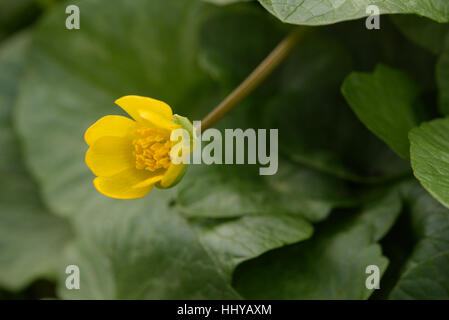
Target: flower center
x=152, y=149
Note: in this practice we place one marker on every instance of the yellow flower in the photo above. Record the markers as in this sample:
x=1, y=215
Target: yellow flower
x=128, y=156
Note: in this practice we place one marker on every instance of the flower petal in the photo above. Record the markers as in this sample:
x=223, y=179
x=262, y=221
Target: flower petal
x=110, y=155
x=156, y=120
x=174, y=174
x=115, y=126
x=120, y=185
x=136, y=105
x=150, y=181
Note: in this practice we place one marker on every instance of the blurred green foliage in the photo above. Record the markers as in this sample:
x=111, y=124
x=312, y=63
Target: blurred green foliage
x=336, y=205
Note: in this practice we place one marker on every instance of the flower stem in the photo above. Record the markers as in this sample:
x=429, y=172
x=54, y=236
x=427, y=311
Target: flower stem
x=263, y=70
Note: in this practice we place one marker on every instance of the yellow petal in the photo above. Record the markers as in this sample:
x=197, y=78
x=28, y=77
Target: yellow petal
x=156, y=120
x=120, y=185
x=136, y=105
x=172, y=176
x=115, y=126
x=150, y=181
x=110, y=155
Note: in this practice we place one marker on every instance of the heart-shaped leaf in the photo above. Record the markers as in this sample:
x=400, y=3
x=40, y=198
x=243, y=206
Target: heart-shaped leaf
x=310, y=12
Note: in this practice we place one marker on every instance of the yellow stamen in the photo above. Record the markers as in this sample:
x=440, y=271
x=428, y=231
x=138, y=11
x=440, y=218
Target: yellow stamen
x=152, y=149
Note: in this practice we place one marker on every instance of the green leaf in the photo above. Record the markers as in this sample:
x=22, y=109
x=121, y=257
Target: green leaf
x=430, y=157
x=425, y=275
x=385, y=102
x=422, y=31
x=31, y=239
x=31, y=244
x=331, y=265
x=219, y=191
x=310, y=12
x=143, y=251
x=442, y=75
x=232, y=241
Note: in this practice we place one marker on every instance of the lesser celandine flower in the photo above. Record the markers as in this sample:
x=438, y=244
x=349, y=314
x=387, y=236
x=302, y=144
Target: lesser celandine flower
x=130, y=157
